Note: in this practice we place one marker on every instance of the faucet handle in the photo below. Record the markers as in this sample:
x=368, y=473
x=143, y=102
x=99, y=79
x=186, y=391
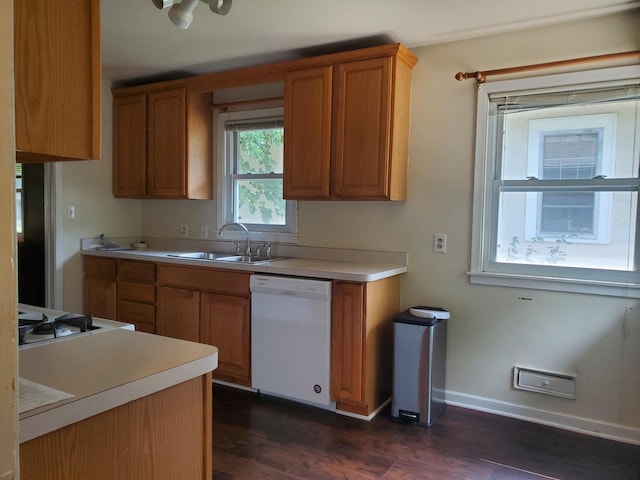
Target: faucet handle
x=259, y=250
x=236, y=245
x=267, y=251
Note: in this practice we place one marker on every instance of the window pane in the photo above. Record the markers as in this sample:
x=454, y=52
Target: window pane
x=570, y=156
x=260, y=201
x=564, y=213
x=514, y=245
x=261, y=151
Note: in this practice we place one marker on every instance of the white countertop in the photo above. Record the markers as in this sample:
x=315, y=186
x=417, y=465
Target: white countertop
x=105, y=371
x=299, y=267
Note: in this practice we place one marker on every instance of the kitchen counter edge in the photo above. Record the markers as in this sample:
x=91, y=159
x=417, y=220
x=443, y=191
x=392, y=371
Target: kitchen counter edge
x=110, y=380
x=298, y=267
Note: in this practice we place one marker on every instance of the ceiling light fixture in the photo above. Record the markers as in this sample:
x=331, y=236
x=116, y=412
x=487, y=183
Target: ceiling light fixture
x=181, y=14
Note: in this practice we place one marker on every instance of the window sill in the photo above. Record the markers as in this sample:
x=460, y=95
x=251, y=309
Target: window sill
x=612, y=289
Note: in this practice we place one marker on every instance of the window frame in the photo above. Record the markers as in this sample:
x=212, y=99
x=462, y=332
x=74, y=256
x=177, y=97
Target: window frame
x=225, y=180
x=486, y=201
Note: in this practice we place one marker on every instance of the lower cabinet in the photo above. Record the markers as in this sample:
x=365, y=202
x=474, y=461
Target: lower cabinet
x=179, y=313
x=362, y=343
x=164, y=435
x=225, y=322
x=136, y=293
x=99, y=291
x=213, y=306
x=122, y=290
x=210, y=306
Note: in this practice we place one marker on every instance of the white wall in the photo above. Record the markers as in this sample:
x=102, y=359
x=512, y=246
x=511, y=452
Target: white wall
x=492, y=328
x=87, y=185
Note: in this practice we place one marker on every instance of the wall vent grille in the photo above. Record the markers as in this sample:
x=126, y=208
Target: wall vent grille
x=549, y=383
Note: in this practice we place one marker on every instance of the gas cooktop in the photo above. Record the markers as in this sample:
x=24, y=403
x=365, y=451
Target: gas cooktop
x=37, y=325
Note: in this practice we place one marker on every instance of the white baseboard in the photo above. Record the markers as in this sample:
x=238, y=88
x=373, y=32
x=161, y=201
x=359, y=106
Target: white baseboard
x=596, y=428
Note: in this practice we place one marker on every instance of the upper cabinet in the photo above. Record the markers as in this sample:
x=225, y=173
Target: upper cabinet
x=57, y=80
x=162, y=144
x=346, y=122
x=347, y=129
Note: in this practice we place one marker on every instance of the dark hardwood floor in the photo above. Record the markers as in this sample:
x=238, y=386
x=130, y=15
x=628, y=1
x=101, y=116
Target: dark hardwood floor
x=261, y=437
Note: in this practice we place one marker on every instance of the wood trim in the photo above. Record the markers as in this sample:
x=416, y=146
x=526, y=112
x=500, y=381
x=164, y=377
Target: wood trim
x=382, y=303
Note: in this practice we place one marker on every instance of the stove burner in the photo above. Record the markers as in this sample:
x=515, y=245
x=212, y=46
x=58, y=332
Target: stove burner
x=36, y=327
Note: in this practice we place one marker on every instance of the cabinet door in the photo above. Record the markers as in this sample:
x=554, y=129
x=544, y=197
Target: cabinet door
x=226, y=323
x=100, y=297
x=178, y=314
x=57, y=80
x=362, y=129
x=130, y=146
x=307, y=137
x=347, y=343
x=166, y=140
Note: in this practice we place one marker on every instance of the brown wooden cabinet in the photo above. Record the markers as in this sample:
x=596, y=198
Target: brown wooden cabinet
x=100, y=287
x=57, y=80
x=179, y=313
x=347, y=129
x=362, y=343
x=162, y=144
x=211, y=306
x=122, y=290
x=226, y=323
x=136, y=294
x=163, y=435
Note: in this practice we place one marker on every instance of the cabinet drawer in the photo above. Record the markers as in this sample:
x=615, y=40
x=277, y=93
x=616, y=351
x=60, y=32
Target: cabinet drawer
x=146, y=328
x=98, y=267
x=137, y=292
x=205, y=279
x=134, y=271
x=132, y=312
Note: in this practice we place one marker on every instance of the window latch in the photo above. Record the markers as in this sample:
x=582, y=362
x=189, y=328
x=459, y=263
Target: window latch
x=532, y=178
x=601, y=177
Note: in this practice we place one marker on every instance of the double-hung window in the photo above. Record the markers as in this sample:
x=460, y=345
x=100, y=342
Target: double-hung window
x=250, y=174
x=556, y=185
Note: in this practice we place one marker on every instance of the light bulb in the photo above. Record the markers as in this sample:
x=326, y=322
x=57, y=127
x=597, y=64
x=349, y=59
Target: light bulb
x=221, y=7
x=182, y=14
x=162, y=3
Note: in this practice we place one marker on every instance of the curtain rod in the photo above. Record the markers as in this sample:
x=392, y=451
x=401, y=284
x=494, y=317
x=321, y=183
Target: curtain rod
x=481, y=76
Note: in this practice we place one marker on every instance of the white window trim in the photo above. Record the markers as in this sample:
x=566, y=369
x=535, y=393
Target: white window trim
x=225, y=190
x=480, y=246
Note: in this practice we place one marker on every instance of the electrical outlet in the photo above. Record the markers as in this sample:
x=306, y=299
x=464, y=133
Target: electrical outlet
x=184, y=230
x=440, y=243
x=204, y=232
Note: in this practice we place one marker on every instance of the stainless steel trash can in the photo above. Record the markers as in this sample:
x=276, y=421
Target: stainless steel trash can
x=419, y=366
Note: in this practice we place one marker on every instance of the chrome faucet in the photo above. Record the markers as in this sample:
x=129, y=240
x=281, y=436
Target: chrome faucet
x=237, y=224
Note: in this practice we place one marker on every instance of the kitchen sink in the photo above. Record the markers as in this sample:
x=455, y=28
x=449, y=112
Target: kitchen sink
x=225, y=257
x=247, y=259
x=200, y=255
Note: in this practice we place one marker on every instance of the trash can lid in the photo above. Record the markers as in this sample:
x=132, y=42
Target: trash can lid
x=429, y=312
x=422, y=315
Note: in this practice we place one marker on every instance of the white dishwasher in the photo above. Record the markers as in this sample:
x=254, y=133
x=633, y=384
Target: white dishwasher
x=291, y=338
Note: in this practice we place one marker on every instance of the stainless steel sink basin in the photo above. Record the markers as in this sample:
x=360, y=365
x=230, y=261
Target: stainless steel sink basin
x=224, y=257
x=200, y=255
x=248, y=259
